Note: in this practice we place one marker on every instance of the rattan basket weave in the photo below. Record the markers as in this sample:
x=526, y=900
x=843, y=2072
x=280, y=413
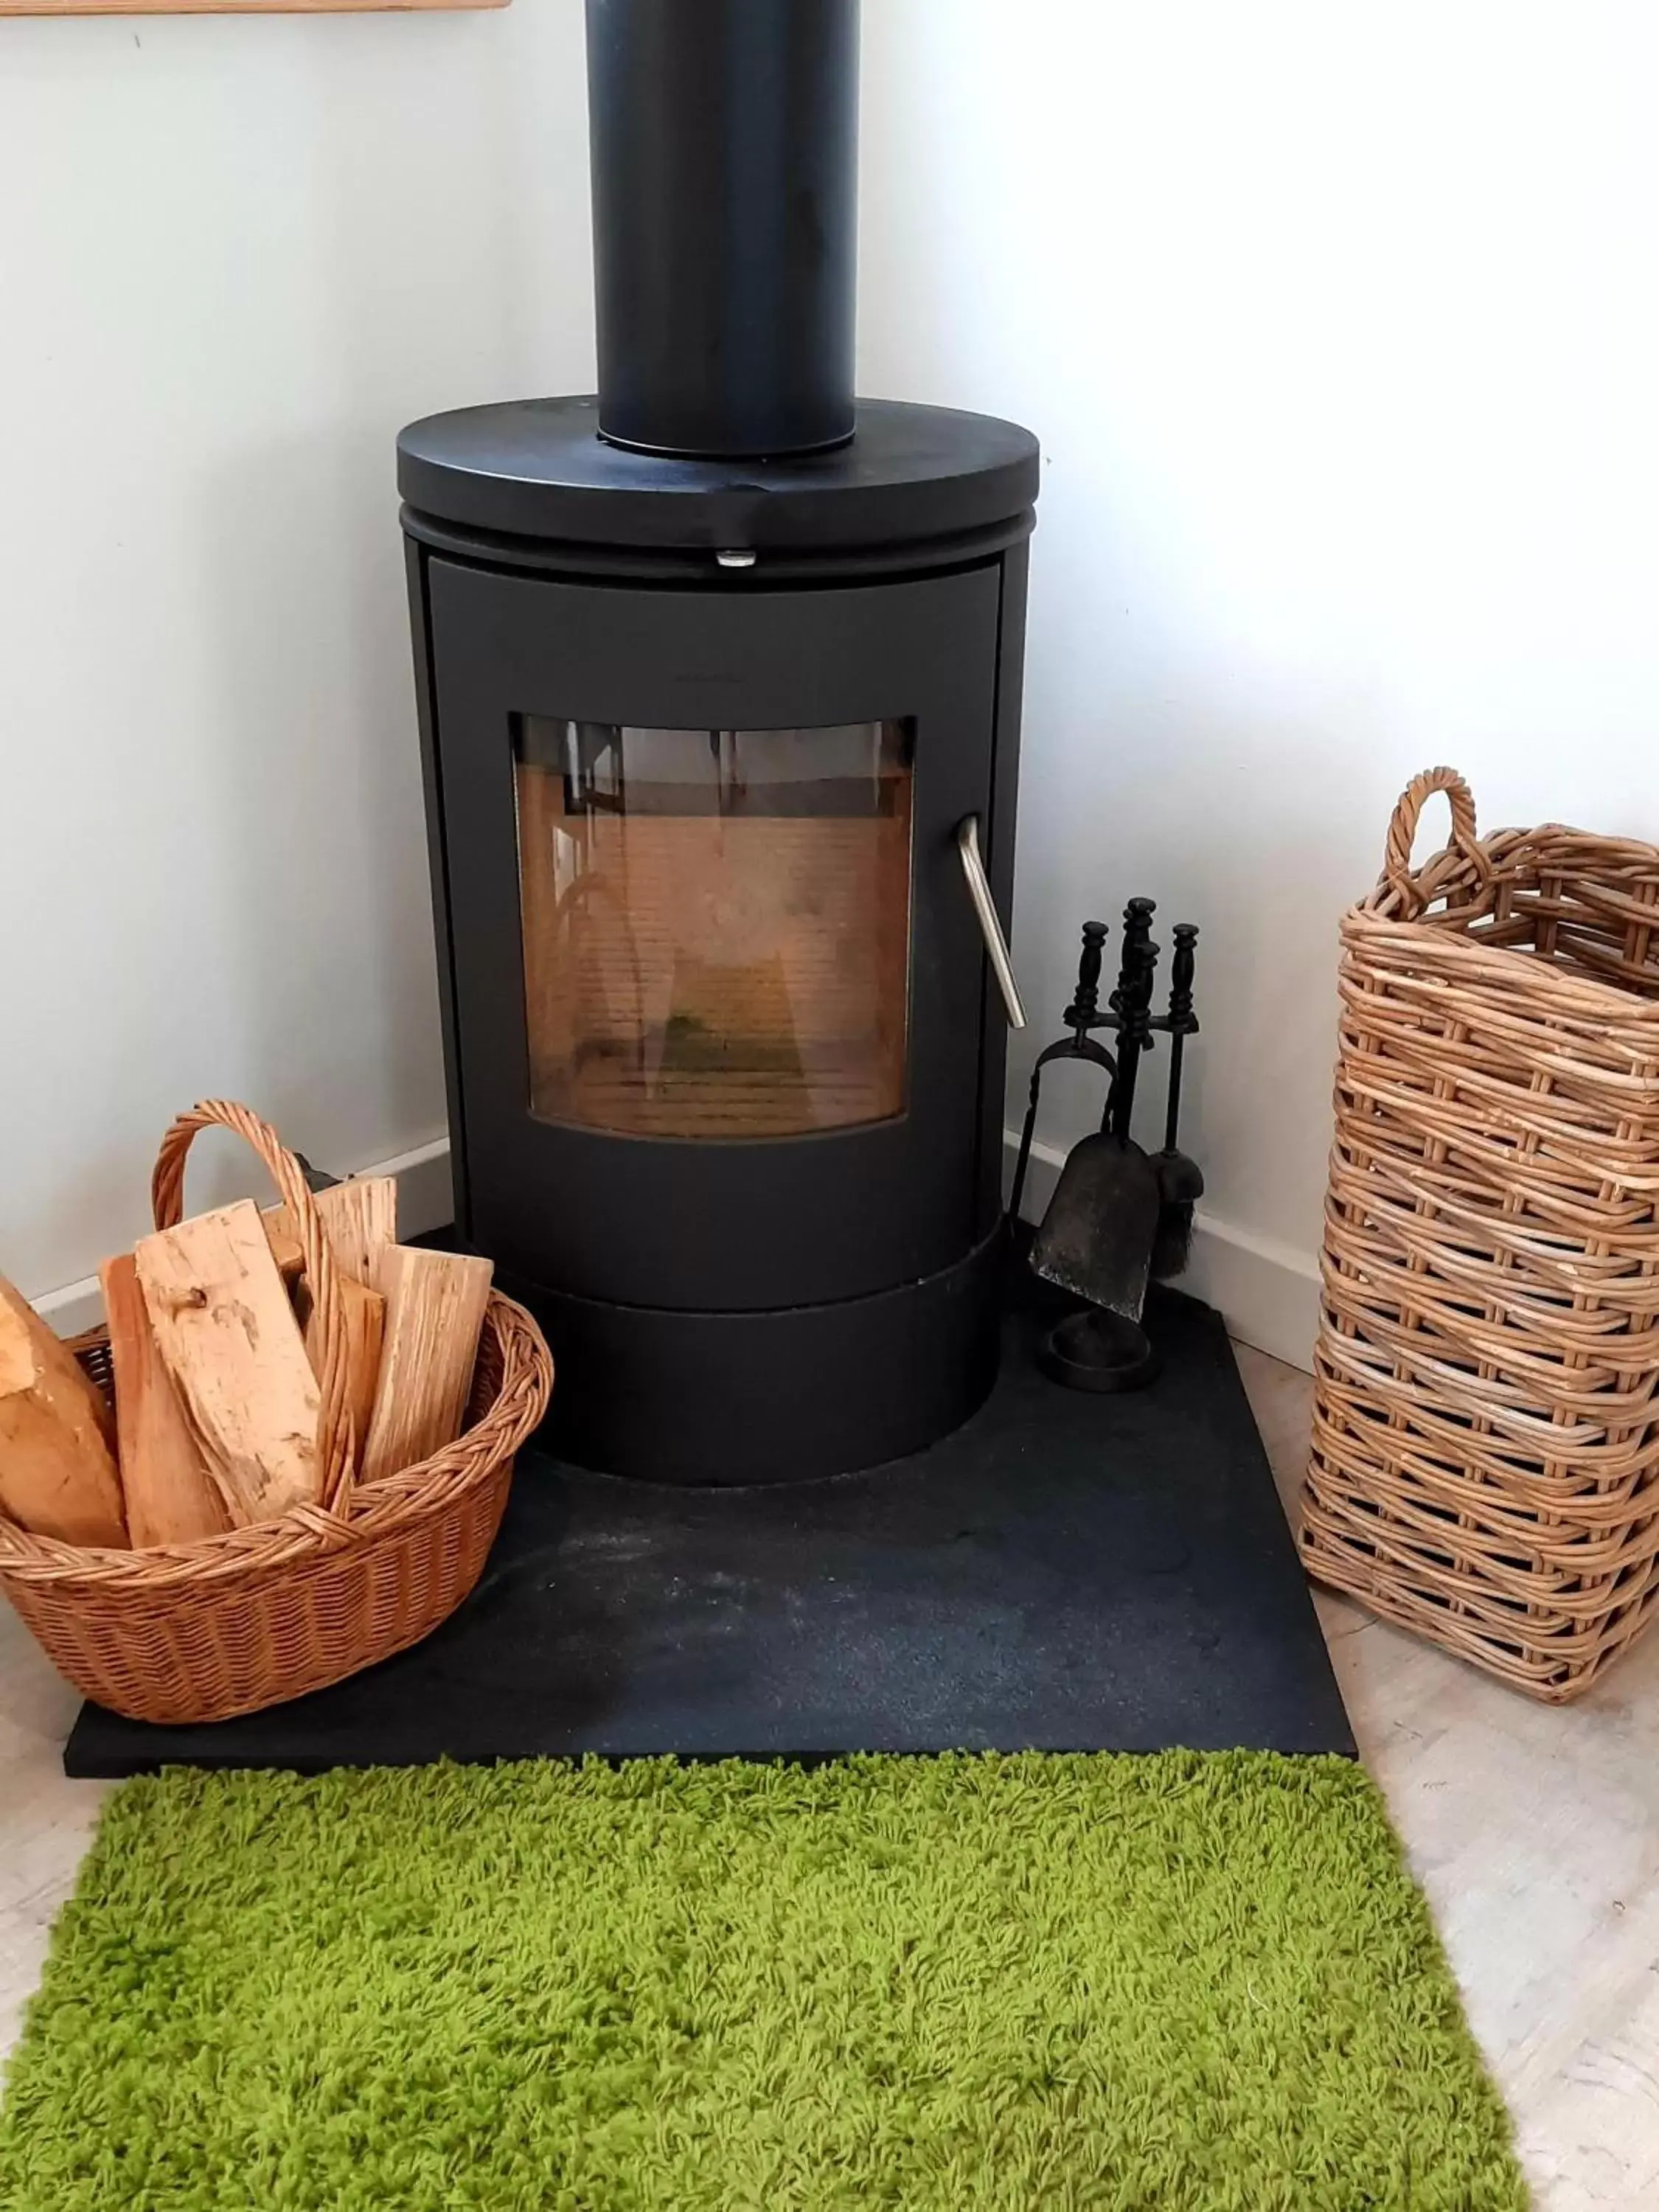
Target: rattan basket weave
x=200, y=1631
x=1486, y=1450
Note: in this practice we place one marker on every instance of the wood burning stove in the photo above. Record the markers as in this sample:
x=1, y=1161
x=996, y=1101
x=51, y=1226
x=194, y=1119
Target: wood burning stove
x=719, y=707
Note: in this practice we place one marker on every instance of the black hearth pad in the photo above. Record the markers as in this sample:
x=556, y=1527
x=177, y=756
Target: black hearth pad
x=1068, y=1572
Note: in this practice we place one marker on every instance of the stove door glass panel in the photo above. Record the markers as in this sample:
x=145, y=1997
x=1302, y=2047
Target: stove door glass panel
x=716, y=925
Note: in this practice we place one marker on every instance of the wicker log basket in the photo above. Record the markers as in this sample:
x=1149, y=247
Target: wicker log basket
x=1485, y=1451
x=200, y=1631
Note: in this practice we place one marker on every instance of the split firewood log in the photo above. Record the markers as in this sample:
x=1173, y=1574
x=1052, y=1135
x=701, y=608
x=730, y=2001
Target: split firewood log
x=57, y=1472
x=169, y=1495
x=434, y=1311
x=363, y=1315
x=285, y=1246
x=228, y=1333
x=359, y=1219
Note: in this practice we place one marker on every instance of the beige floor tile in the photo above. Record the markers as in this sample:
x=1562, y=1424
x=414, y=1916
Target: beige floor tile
x=45, y=1822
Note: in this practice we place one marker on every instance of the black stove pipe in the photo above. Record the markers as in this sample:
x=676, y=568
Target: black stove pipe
x=724, y=141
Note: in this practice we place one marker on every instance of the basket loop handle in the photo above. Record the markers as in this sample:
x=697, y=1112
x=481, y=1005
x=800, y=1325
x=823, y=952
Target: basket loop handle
x=1403, y=881
x=167, y=1192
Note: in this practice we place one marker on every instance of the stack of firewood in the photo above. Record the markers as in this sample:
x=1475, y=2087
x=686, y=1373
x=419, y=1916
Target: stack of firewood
x=217, y=1416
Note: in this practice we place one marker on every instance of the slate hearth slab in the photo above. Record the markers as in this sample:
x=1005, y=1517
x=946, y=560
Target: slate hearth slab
x=1065, y=1573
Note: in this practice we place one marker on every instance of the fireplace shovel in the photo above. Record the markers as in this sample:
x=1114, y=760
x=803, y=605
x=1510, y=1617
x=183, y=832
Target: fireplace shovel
x=1095, y=1239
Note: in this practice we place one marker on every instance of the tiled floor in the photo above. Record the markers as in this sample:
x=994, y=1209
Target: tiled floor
x=1534, y=1831
x=45, y=1821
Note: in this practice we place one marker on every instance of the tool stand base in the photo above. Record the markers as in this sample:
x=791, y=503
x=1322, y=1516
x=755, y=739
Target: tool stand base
x=1092, y=1350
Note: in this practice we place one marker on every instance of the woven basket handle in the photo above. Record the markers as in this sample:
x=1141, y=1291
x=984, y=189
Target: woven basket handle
x=166, y=1192
x=1407, y=884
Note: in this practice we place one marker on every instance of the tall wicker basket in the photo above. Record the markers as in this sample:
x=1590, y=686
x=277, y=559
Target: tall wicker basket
x=1485, y=1448
x=201, y=1631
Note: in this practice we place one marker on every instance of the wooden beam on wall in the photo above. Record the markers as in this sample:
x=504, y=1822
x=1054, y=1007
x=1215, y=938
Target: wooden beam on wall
x=234, y=7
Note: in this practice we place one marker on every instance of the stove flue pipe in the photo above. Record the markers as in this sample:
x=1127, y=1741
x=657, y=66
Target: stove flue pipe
x=724, y=146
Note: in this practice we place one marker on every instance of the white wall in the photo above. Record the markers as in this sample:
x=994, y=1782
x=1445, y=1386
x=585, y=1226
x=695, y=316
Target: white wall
x=1340, y=328
x=235, y=256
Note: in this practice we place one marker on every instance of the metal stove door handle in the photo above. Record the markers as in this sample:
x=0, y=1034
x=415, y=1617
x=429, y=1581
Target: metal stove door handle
x=996, y=945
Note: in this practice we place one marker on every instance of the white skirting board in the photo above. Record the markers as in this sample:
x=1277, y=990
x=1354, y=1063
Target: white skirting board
x=424, y=1201
x=1267, y=1292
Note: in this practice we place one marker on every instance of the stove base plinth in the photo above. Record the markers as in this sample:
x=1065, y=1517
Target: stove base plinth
x=705, y=1398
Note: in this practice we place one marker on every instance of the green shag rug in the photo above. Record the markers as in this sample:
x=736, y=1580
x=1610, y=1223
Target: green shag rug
x=1180, y=1980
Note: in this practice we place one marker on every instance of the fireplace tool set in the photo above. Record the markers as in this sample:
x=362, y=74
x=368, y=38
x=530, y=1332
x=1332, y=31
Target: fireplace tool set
x=1120, y=1218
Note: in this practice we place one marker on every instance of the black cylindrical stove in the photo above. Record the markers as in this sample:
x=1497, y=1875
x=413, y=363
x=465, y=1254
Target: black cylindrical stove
x=721, y=740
